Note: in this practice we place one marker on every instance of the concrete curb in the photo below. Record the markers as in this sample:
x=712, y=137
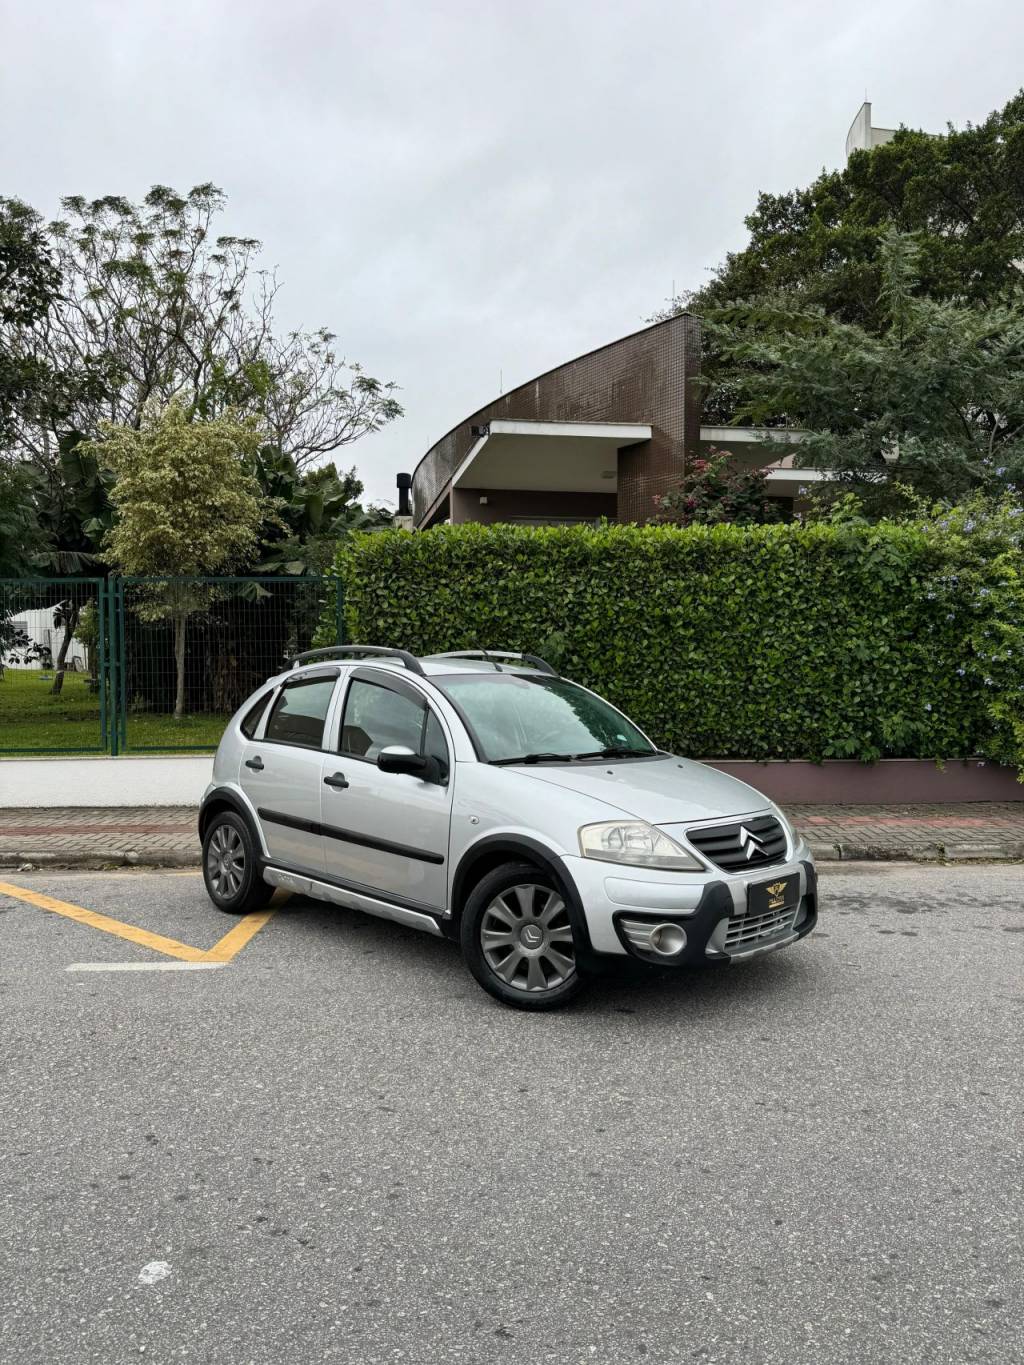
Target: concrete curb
x=1011, y=850
x=101, y=858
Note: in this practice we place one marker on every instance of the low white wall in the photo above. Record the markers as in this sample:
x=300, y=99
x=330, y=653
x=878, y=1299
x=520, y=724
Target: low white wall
x=173, y=780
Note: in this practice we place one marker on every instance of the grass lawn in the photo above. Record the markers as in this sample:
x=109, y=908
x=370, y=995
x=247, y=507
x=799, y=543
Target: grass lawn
x=30, y=719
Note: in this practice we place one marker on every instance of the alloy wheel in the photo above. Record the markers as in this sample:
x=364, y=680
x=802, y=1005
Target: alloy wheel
x=225, y=861
x=527, y=939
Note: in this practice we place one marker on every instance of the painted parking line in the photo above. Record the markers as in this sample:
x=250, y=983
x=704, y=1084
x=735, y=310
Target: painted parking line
x=222, y=951
x=145, y=966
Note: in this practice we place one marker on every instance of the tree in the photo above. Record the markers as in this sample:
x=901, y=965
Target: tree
x=308, y=514
x=29, y=285
x=933, y=401
x=20, y=533
x=962, y=192
x=717, y=490
x=186, y=507
x=156, y=307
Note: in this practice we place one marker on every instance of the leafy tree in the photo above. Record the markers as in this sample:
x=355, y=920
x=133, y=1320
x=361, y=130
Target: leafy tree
x=308, y=514
x=29, y=285
x=186, y=507
x=716, y=490
x=963, y=192
x=20, y=532
x=933, y=401
x=155, y=306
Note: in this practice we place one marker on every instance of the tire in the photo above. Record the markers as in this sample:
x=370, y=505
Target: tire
x=518, y=903
x=231, y=867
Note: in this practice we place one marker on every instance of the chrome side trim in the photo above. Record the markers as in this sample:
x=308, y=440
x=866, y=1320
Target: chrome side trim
x=351, y=900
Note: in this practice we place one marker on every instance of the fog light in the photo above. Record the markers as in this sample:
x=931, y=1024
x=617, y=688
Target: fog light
x=664, y=940
x=668, y=939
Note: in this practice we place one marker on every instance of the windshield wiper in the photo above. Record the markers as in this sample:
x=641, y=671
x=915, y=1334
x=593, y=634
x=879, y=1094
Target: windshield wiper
x=617, y=751
x=532, y=758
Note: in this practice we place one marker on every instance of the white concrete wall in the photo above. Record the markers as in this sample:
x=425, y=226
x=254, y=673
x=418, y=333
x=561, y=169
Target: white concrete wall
x=173, y=780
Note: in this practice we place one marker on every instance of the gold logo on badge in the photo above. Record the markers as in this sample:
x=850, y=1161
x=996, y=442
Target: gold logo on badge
x=776, y=895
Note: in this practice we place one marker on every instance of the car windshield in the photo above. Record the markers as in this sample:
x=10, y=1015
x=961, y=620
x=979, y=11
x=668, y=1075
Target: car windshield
x=516, y=718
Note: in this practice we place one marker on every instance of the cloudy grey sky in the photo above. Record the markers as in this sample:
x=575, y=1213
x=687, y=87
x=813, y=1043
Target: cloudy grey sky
x=466, y=190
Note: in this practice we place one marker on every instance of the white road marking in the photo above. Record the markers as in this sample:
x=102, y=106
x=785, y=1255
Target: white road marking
x=153, y=1272
x=144, y=966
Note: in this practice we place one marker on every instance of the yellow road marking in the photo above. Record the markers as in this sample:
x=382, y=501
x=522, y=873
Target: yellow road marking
x=223, y=951
x=236, y=938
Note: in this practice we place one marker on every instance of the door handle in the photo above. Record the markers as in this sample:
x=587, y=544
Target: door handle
x=338, y=780
x=256, y=764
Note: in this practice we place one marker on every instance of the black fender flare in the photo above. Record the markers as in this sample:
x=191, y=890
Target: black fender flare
x=225, y=796
x=519, y=847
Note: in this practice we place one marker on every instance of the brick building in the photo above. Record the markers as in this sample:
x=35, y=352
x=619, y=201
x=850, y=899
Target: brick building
x=596, y=437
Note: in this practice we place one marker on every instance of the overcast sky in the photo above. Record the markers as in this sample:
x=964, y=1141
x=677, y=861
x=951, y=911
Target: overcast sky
x=463, y=191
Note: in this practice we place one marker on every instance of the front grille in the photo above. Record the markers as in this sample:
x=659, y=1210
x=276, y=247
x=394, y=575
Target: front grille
x=736, y=848
x=744, y=933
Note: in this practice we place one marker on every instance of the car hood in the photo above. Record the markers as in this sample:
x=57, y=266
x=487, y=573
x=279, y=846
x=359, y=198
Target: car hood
x=667, y=791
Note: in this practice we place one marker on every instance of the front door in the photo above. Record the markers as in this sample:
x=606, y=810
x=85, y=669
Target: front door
x=387, y=832
x=281, y=773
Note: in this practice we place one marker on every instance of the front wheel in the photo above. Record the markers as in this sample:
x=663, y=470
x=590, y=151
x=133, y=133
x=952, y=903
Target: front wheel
x=517, y=939
x=231, y=868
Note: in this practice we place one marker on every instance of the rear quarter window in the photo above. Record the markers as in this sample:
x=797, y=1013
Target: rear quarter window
x=252, y=717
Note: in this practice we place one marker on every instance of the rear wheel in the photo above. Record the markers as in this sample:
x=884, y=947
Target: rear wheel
x=231, y=867
x=518, y=941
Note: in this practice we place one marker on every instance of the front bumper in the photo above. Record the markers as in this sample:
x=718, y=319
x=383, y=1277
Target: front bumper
x=711, y=911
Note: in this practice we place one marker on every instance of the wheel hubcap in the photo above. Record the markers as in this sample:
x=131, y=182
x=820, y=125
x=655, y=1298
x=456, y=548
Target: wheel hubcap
x=527, y=938
x=225, y=861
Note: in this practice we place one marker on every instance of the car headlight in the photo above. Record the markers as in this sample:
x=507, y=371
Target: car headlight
x=636, y=843
x=786, y=824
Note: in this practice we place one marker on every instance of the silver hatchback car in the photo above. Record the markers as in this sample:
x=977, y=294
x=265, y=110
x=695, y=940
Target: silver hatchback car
x=480, y=796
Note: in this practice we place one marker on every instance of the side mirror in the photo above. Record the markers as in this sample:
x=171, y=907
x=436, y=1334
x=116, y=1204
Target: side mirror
x=397, y=758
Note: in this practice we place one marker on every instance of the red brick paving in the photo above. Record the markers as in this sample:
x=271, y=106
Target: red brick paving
x=168, y=834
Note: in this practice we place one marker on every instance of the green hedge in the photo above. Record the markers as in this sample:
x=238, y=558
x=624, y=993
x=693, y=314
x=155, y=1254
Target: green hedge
x=816, y=641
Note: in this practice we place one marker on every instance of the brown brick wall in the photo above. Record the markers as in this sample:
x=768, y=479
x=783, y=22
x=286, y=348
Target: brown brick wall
x=647, y=377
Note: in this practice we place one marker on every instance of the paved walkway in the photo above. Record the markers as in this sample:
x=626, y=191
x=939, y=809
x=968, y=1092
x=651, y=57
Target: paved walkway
x=156, y=836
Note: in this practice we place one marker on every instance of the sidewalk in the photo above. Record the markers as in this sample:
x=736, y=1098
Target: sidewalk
x=165, y=836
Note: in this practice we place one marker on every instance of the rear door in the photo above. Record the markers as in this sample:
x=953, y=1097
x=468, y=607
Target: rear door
x=387, y=832
x=281, y=772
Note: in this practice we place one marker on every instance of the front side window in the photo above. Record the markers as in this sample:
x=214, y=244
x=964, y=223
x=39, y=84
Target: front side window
x=513, y=716
x=376, y=717
x=299, y=713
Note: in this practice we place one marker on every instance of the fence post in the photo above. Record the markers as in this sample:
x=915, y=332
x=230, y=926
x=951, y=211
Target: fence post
x=112, y=657
x=101, y=642
x=122, y=664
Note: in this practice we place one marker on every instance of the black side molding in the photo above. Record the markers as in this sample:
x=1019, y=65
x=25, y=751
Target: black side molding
x=346, y=836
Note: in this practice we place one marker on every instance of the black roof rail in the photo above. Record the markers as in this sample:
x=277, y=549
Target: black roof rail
x=534, y=660
x=361, y=651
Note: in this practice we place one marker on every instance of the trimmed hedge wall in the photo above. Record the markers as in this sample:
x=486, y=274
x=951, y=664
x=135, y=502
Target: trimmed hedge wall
x=796, y=641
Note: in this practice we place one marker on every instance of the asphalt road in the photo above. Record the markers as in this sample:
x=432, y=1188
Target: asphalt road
x=338, y=1148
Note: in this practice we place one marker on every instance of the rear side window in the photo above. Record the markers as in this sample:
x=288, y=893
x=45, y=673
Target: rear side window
x=299, y=713
x=255, y=714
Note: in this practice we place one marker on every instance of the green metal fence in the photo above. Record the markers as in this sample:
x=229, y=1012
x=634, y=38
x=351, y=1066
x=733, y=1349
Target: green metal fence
x=142, y=665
